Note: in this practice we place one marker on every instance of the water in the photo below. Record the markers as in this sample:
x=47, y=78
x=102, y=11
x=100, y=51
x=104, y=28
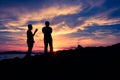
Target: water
x=11, y=56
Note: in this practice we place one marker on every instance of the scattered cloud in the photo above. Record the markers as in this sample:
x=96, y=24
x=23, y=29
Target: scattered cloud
x=89, y=23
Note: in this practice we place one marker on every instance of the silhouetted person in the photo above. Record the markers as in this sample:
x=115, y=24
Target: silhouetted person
x=47, y=30
x=30, y=39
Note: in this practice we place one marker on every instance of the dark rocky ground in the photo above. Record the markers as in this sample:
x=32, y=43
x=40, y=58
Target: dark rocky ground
x=80, y=55
x=88, y=61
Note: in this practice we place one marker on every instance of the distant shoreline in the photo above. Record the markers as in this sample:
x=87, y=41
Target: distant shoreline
x=19, y=52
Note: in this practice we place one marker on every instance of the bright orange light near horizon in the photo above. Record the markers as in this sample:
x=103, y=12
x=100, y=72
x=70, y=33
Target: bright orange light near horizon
x=55, y=50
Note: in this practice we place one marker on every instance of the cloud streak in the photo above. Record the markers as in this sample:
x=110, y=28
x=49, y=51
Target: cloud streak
x=88, y=23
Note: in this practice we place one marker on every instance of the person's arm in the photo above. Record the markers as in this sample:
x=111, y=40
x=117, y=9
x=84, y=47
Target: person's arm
x=35, y=32
x=42, y=30
x=51, y=30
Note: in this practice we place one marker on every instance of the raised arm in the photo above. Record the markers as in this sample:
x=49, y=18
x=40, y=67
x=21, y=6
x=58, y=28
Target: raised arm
x=35, y=31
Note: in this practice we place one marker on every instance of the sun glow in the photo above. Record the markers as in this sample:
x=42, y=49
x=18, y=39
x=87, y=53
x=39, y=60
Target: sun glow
x=55, y=49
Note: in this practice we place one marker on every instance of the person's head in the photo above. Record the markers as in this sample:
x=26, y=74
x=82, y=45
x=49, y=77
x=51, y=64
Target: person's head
x=47, y=23
x=30, y=26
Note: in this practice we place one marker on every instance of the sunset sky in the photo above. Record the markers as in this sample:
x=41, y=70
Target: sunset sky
x=83, y=22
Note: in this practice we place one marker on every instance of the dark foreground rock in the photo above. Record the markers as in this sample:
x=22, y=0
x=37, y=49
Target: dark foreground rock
x=79, y=63
x=80, y=55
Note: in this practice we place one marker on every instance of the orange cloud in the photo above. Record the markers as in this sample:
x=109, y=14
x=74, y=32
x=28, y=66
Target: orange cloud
x=101, y=33
x=9, y=30
x=60, y=30
x=64, y=29
x=98, y=21
x=45, y=13
x=48, y=13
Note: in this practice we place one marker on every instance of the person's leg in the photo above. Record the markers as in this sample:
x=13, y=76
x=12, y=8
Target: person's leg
x=45, y=47
x=51, y=46
x=28, y=52
x=30, y=46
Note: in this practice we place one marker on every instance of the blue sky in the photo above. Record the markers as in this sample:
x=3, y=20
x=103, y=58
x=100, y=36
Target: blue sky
x=83, y=22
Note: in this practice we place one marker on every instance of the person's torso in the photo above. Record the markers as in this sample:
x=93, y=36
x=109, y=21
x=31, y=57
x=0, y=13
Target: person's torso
x=47, y=32
x=29, y=36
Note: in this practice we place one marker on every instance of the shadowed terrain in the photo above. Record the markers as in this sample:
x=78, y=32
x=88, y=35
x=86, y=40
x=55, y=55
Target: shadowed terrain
x=79, y=55
x=65, y=64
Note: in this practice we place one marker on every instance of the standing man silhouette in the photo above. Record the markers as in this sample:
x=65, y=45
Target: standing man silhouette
x=47, y=30
x=30, y=39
